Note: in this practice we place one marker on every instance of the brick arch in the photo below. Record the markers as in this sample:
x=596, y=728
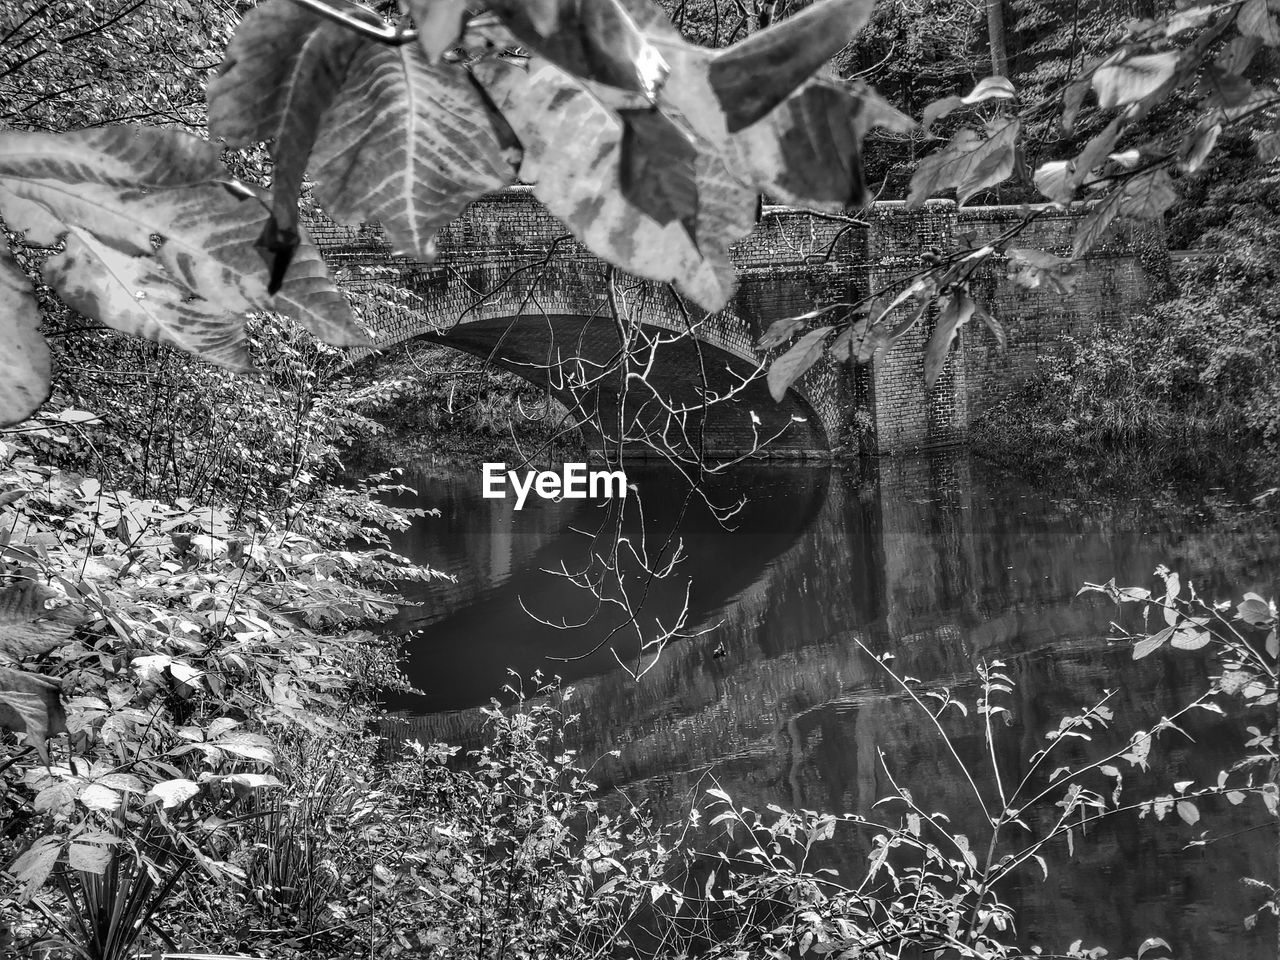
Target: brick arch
x=510, y=286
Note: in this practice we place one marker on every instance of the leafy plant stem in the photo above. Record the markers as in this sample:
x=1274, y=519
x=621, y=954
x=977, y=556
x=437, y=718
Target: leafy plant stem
x=973, y=786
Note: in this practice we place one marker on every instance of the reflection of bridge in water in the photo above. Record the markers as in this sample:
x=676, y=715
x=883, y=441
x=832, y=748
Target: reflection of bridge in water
x=934, y=570
x=511, y=284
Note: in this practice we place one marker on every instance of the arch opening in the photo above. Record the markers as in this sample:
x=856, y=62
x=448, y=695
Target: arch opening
x=656, y=404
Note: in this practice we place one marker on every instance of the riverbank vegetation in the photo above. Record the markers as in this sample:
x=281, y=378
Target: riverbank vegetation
x=432, y=403
x=193, y=580
x=1196, y=376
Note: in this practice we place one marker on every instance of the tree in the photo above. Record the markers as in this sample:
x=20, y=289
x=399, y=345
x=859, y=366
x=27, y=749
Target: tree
x=996, y=38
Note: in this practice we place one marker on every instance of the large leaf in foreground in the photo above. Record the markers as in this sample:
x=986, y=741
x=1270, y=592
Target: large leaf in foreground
x=408, y=145
x=24, y=361
x=1256, y=20
x=808, y=151
x=439, y=23
x=136, y=295
x=754, y=76
x=594, y=40
x=122, y=156
x=281, y=71
x=573, y=151
x=206, y=230
x=804, y=150
x=658, y=167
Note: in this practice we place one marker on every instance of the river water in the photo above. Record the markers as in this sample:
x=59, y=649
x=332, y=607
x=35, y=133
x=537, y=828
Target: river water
x=939, y=561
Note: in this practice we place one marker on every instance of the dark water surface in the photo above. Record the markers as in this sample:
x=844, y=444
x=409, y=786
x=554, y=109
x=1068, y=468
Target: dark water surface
x=937, y=561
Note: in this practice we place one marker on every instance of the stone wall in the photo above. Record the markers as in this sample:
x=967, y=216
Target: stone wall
x=506, y=259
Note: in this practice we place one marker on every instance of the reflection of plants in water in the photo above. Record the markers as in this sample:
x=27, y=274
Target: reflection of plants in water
x=934, y=888
x=937, y=889
x=516, y=855
x=623, y=567
x=524, y=857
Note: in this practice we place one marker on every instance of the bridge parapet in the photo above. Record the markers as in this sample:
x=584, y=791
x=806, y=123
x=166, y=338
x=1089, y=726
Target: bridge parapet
x=507, y=259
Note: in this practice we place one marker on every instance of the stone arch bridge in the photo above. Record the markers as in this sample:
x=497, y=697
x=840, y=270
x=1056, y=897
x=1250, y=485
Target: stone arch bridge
x=511, y=285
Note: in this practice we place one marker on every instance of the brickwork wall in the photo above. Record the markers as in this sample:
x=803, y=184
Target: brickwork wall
x=1114, y=282
x=506, y=259
x=908, y=416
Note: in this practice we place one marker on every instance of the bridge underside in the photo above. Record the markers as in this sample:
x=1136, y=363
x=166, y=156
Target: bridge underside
x=560, y=352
